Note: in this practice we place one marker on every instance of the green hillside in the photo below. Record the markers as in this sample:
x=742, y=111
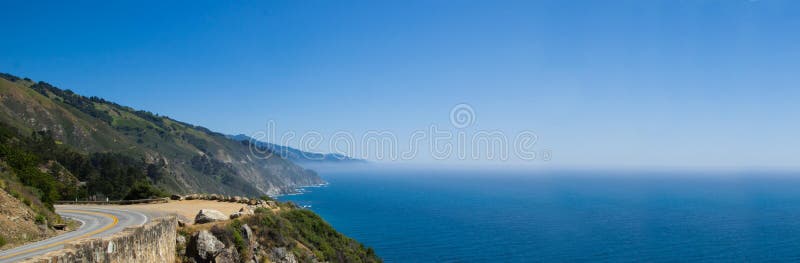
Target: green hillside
x=175, y=156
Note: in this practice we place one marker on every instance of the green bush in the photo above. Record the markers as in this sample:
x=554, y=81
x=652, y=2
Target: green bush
x=40, y=219
x=261, y=210
x=235, y=227
x=2, y=241
x=143, y=190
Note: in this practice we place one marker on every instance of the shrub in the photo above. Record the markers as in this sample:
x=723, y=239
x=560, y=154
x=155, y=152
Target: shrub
x=143, y=190
x=261, y=210
x=40, y=219
x=2, y=241
x=288, y=205
x=235, y=228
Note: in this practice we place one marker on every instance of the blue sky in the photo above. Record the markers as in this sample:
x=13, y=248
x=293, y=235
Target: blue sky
x=602, y=83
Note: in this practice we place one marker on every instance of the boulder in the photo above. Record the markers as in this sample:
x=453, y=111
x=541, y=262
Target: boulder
x=247, y=234
x=180, y=244
x=242, y=212
x=204, y=247
x=237, y=198
x=176, y=197
x=209, y=215
x=42, y=227
x=230, y=255
x=235, y=215
x=253, y=202
x=252, y=241
x=245, y=200
x=281, y=254
x=180, y=241
x=246, y=210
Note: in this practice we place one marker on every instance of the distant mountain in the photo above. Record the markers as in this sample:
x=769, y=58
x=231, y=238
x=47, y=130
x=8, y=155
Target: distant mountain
x=179, y=157
x=298, y=156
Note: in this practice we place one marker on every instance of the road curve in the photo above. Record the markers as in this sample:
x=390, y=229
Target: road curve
x=97, y=221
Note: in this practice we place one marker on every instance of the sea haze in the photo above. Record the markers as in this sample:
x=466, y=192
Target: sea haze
x=565, y=216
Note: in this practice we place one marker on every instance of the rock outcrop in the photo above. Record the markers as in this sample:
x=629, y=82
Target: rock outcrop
x=283, y=255
x=208, y=216
x=204, y=247
x=242, y=212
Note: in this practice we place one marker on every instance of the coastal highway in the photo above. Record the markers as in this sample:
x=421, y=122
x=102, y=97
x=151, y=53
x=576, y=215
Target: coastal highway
x=97, y=221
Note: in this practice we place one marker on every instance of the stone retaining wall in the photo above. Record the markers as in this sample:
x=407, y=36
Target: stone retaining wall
x=153, y=242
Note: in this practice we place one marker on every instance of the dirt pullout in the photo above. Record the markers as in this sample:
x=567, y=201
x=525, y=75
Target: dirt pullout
x=186, y=209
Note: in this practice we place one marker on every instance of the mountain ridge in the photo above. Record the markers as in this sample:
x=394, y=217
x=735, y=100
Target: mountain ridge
x=297, y=155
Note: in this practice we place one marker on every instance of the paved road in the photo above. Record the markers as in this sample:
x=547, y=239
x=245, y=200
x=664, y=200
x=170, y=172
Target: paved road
x=97, y=222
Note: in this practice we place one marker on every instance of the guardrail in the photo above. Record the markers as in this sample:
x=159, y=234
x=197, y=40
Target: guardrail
x=118, y=202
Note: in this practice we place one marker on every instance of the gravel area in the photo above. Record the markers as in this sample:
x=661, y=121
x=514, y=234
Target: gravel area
x=186, y=209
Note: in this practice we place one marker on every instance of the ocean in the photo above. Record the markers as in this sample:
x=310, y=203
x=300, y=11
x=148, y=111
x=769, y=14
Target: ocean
x=482, y=216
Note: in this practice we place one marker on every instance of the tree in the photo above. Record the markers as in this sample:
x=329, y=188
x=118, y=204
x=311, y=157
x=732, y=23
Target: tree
x=143, y=190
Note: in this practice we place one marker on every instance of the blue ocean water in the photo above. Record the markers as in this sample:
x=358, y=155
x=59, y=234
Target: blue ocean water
x=416, y=216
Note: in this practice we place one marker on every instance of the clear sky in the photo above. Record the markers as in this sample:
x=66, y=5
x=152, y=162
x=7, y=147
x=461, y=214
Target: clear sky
x=602, y=83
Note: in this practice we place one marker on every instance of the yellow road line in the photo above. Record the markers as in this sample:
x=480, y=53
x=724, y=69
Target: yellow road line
x=114, y=223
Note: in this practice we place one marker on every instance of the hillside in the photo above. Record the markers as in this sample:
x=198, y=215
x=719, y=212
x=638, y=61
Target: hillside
x=176, y=156
x=20, y=223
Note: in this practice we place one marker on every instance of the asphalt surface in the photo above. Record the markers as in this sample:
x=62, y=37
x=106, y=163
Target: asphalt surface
x=97, y=221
